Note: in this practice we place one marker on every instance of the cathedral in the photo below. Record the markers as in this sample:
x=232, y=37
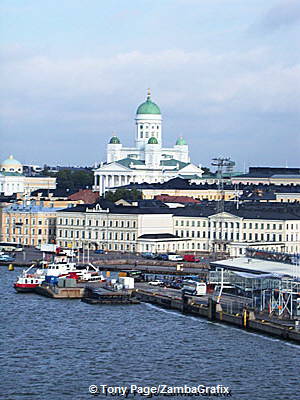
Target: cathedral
x=148, y=161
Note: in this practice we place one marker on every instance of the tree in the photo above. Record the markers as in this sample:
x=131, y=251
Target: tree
x=72, y=179
x=125, y=194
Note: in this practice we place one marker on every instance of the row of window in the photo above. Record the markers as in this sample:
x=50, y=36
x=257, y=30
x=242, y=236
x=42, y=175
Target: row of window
x=33, y=231
x=103, y=223
x=231, y=236
x=32, y=221
x=222, y=224
x=96, y=235
x=147, y=126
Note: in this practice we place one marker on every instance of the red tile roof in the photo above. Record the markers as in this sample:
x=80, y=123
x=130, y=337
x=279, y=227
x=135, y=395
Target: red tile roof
x=86, y=195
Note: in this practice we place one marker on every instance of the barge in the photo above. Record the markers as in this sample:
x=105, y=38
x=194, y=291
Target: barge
x=105, y=296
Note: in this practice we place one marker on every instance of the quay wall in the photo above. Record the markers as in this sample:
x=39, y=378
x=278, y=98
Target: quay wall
x=209, y=311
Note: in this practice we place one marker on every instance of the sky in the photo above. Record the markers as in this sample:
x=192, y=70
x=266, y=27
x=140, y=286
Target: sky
x=225, y=74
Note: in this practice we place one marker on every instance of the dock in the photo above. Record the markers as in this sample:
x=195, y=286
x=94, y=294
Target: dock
x=60, y=293
x=245, y=319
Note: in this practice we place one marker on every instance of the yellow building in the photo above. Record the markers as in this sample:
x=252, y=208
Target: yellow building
x=28, y=224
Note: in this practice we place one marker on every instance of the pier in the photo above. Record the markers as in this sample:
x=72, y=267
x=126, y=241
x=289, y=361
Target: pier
x=208, y=308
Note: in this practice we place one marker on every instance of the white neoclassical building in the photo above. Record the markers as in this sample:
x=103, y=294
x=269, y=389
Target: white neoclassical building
x=12, y=179
x=148, y=161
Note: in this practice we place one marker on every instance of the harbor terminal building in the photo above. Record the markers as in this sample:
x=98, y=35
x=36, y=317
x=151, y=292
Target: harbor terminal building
x=148, y=161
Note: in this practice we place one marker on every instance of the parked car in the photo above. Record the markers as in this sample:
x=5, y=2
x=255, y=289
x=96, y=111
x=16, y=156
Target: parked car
x=148, y=255
x=175, y=257
x=191, y=258
x=156, y=283
x=99, y=251
x=164, y=257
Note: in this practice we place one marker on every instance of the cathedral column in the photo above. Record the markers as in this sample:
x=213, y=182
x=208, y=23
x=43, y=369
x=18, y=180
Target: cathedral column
x=100, y=185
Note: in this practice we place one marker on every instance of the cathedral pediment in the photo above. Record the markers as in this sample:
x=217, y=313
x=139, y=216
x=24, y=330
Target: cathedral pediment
x=191, y=169
x=113, y=167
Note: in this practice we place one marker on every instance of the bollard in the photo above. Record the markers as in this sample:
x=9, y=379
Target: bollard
x=297, y=325
x=11, y=267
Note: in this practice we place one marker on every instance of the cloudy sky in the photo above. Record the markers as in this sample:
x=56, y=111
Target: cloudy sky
x=225, y=73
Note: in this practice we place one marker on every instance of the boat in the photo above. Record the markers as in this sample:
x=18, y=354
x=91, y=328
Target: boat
x=81, y=272
x=6, y=258
x=29, y=279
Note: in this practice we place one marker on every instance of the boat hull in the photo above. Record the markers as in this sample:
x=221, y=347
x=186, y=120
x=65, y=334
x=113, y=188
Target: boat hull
x=25, y=287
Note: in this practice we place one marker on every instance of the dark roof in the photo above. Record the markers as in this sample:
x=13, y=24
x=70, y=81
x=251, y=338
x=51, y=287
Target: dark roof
x=267, y=172
x=184, y=184
x=53, y=192
x=121, y=209
x=159, y=236
x=279, y=211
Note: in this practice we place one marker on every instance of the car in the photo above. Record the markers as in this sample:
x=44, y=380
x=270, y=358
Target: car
x=148, y=255
x=156, y=283
x=99, y=251
x=163, y=257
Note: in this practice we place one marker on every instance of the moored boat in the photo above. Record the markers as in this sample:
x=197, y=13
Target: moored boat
x=29, y=280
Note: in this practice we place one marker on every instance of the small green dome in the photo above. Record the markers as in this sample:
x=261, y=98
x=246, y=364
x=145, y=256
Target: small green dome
x=152, y=140
x=180, y=141
x=148, y=107
x=114, y=140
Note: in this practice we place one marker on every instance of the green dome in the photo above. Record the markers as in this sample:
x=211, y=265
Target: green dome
x=114, y=140
x=148, y=107
x=180, y=141
x=152, y=140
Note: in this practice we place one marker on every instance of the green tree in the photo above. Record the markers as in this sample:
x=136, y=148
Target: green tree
x=125, y=194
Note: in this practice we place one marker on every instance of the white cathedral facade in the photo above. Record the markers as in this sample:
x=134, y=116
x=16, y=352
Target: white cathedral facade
x=148, y=161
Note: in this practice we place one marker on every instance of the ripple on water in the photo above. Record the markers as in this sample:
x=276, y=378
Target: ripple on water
x=55, y=349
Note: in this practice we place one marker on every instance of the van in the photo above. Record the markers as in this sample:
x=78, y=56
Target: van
x=175, y=257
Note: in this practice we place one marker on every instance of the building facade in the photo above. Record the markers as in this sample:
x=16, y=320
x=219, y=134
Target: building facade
x=29, y=225
x=113, y=229
x=147, y=161
x=192, y=229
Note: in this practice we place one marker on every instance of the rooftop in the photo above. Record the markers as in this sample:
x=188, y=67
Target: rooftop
x=254, y=265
